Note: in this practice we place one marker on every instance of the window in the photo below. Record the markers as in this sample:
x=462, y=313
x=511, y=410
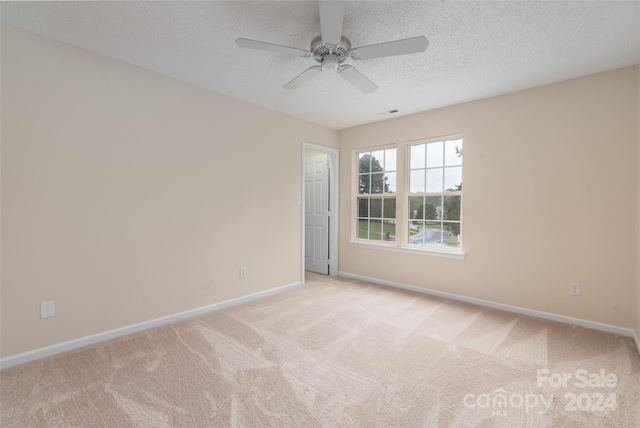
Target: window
x=428, y=215
x=435, y=193
x=376, y=202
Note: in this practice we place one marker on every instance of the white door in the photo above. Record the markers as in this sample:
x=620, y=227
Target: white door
x=316, y=209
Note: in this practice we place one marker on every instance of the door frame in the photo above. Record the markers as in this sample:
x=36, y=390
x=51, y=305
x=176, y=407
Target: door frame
x=334, y=158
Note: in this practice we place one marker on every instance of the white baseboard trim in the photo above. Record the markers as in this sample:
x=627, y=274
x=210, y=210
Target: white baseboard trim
x=134, y=328
x=509, y=308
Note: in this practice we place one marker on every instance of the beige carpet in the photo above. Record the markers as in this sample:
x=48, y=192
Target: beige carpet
x=336, y=352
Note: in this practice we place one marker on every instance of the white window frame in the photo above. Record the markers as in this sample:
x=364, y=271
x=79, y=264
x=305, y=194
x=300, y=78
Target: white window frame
x=355, y=217
x=403, y=171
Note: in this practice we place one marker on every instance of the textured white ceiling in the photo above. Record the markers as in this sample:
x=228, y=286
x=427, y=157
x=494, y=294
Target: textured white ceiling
x=477, y=49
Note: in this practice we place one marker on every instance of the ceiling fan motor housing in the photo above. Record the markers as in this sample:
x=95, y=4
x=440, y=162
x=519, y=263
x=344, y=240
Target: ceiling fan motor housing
x=328, y=55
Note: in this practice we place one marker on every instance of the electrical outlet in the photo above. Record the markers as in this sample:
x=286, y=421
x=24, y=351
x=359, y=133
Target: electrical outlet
x=574, y=288
x=243, y=272
x=47, y=309
x=376, y=260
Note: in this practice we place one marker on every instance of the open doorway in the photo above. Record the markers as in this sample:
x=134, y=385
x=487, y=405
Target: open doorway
x=319, y=209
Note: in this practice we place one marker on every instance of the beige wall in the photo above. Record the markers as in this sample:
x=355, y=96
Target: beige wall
x=550, y=197
x=128, y=195
x=637, y=299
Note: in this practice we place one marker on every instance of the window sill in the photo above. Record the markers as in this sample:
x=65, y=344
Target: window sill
x=437, y=252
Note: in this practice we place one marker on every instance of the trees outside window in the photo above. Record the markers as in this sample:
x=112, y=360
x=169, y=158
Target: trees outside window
x=435, y=193
x=376, y=201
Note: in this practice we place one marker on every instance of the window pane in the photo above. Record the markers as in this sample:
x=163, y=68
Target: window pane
x=377, y=183
x=435, y=154
x=390, y=181
x=433, y=208
x=364, y=161
x=363, y=207
x=451, y=234
x=416, y=181
x=416, y=209
x=364, y=185
x=376, y=208
x=375, y=229
x=453, y=178
x=452, y=208
x=390, y=160
x=434, y=180
x=377, y=161
x=363, y=228
x=415, y=232
x=425, y=233
x=417, y=156
x=433, y=234
x=453, y=152
x=389, y=206
x=389, y=230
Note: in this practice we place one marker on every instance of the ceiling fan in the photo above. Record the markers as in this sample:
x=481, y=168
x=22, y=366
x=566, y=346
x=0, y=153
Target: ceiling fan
x=331, y=49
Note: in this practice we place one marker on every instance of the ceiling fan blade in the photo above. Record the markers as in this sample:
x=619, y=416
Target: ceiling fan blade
x=264, y=46
x=357, y=79
x=303, y=77
x=397, y=47
x=331, y=17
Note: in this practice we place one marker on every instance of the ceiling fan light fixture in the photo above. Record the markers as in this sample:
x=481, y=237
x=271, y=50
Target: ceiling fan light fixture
x=330, y=61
